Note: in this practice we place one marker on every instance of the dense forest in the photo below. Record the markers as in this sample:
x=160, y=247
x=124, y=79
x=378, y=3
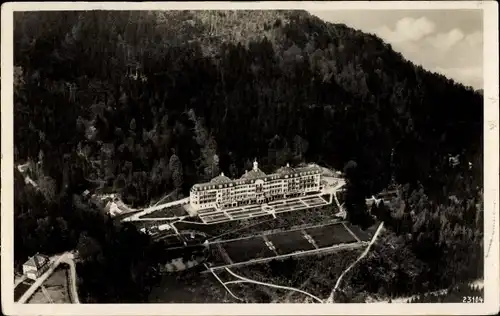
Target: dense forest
x=142, y=103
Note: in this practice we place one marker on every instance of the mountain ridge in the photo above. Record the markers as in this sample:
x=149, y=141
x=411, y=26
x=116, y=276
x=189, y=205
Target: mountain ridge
x=333, y=72
x=149, y=102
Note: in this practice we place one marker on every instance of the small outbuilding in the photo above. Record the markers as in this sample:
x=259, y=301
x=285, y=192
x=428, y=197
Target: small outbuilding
x=36, y=266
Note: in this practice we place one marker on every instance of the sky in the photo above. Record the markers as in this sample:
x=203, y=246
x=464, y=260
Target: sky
x=449, y=42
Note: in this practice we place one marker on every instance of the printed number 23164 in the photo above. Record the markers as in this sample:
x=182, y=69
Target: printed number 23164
x=472, y=299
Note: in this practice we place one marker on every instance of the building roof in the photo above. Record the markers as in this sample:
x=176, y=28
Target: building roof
x=255, y=173
x=285, y=169
x=220, y=179
x=37, y=261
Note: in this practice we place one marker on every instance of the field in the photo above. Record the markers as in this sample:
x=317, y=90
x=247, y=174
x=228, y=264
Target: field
x=247, y=249
x=316, y=276
x=275, y=243
x=315, y=273
x=330, y=235
x=54, y=289
x=290, y=242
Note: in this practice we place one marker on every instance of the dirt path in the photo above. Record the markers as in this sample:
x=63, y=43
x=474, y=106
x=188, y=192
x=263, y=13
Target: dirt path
x=375, y=236
x=224, y=284
x=274, y=285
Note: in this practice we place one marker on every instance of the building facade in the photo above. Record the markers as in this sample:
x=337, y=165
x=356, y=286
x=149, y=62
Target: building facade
x=255, y=187
x=35, y=266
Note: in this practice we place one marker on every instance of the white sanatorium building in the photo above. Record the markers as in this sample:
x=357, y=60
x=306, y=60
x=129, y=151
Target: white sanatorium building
x=255, y=187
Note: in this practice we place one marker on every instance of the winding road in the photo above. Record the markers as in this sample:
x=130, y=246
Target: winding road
x=73, y=291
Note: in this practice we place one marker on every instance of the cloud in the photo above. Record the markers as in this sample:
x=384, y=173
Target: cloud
x=408, y=29
x=445, y=41
x=475, y=39
x=453, y=53
x=470, y=76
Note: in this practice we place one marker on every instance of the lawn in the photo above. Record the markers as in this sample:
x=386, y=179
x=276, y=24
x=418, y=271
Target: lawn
x=38, y=298
x=326, y=236
x=56, y=287
x=247, y=249
x=289, y=242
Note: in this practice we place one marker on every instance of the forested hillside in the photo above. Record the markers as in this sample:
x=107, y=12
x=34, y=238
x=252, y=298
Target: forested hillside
x=141, y=103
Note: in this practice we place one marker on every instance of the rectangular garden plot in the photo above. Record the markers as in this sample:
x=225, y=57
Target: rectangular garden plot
x=317, y=201
x=249, y=215
x=214, y=217
x=244, y=213
x=294, y=203
x=311, y=198
x=362, y=235
x=326, y=236
x=281, y=207
x=290, y=242
x=274, y=203
x=207, y=210
x=247, y=249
